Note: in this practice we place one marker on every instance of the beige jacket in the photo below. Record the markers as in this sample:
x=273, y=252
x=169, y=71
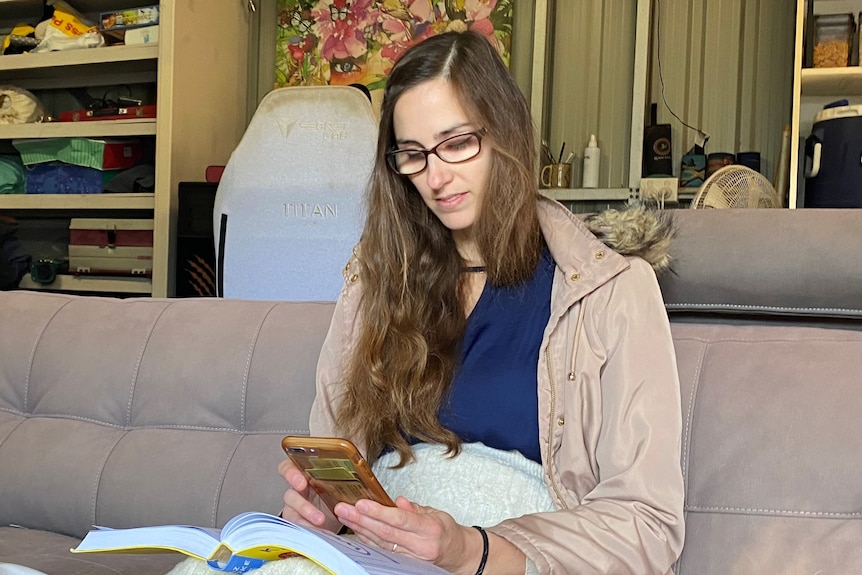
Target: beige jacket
x=609, y=410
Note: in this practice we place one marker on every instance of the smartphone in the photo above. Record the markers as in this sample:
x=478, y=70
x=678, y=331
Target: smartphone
x=335, y=469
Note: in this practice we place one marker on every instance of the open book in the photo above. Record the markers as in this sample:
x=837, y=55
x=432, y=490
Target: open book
x=250, y=539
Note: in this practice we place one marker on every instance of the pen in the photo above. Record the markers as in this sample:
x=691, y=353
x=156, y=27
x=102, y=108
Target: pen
x=562, y=149
x=570, y=157
x=546, y=151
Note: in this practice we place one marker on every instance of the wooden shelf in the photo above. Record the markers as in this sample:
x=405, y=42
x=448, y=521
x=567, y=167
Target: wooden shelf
x=104, y=284
x=87, y=67
x=589, y=194
x=831, y=81
x=96, y=129
x=130, y=201
x=25, y=65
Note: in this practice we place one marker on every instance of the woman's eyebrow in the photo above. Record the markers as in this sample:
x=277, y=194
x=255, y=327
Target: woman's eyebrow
x=453, y=131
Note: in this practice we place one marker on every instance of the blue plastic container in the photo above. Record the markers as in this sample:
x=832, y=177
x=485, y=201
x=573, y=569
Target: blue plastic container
x=833, y=153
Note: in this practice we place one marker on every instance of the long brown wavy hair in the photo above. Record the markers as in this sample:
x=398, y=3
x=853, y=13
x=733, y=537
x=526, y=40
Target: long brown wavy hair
x=411, y=314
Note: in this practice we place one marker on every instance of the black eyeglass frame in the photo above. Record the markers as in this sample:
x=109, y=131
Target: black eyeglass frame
x=390, y=155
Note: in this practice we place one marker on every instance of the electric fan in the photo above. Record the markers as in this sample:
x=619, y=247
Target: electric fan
x=736, y=186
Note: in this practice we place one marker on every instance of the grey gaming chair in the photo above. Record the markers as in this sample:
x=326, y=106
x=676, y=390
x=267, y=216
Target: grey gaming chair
x=289, y=207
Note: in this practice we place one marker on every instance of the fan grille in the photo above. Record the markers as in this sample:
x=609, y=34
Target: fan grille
x=736, y=186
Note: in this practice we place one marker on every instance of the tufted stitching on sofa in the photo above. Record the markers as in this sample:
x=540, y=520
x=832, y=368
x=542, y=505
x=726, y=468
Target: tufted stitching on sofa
x=217, y=492
x=32, y=358
x=137, y=369
x=762, y=308
x=689, y=417
x=5, y=438
x=71, y=416
x=776, y=512
x=251, y=348
x=802, y=338
x=95, y=493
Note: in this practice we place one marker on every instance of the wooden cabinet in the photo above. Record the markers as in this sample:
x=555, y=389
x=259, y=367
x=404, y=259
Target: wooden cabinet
x=198, y=71
x=815, y=87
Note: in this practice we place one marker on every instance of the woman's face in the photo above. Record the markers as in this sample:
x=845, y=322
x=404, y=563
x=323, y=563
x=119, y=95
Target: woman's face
x=424, y=116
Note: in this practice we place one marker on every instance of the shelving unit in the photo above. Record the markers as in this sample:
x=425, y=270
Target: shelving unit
x=542, y=53
x=812, y=89
x=199, y=73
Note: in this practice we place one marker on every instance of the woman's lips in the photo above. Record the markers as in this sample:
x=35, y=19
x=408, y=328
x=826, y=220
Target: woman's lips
x=451, y=201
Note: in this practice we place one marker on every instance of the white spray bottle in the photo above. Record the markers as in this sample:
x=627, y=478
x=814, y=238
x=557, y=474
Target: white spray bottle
x=592, y=157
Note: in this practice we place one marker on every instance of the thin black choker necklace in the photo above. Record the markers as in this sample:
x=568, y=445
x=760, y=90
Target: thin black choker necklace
x=473, y=269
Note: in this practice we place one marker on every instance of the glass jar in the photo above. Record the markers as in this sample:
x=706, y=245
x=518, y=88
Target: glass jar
x=833, y=37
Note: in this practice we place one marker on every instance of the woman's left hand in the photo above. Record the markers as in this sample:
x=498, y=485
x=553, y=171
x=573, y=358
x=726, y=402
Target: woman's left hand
x=412, y=529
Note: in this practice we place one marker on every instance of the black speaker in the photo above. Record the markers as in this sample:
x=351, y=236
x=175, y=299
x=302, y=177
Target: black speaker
x=657, y=158
x=195, y=271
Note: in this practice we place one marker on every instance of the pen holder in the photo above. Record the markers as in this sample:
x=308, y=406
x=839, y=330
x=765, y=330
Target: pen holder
x=556, y=176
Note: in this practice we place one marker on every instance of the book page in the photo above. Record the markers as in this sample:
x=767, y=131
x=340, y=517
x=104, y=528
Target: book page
x=197, y=542
x=263, y=536
x=378, y=561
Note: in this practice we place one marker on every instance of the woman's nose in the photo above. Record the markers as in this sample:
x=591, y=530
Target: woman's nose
x=438, y=172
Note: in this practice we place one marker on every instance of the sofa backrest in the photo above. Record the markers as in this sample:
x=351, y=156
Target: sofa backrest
x=766, y=315
x=137, y=412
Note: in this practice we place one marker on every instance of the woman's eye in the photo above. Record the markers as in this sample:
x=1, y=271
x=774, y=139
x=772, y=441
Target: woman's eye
x=457, y=143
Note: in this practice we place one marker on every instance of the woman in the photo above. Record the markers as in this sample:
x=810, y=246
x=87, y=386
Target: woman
x=476, y=311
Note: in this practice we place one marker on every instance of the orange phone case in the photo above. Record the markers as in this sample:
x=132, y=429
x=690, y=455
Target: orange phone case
x=335, y=469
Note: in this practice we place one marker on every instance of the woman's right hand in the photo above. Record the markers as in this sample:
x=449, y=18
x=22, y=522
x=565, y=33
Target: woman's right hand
x=301, y=502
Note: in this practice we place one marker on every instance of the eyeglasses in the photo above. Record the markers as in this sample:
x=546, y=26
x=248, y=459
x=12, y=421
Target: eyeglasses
x=454, y=150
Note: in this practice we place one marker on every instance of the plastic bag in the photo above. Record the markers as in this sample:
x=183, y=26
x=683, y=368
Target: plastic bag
x=67, y=30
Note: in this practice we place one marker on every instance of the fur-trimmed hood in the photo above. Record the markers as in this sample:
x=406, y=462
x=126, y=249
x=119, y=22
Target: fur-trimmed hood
x=638, y=230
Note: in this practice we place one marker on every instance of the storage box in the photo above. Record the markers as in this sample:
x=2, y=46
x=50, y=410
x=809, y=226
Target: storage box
x=60, y=178
x=130, y=18
x=142, y=36
x=117, y=26
x=120, y=113
x=89, y=153
x=103, y=246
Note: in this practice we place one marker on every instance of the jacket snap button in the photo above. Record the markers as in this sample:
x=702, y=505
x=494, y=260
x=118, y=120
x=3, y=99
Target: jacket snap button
x=561, y=421
x=354, y=277
x=575, y=277
x=600, y=255
x=571, y=376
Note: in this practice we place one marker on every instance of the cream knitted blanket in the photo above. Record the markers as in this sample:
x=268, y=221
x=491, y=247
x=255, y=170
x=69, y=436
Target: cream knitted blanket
x=481, y=486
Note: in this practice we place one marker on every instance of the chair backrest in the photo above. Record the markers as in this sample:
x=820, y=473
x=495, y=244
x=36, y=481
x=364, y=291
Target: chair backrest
x=289, y=207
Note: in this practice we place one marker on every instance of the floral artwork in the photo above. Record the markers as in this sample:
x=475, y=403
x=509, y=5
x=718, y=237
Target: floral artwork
x=346, y=42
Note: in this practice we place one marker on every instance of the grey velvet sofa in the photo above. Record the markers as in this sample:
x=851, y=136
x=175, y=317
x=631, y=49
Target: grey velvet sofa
x=148, y=411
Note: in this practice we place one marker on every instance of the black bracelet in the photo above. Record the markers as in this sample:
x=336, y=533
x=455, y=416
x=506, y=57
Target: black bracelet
x=484, y=560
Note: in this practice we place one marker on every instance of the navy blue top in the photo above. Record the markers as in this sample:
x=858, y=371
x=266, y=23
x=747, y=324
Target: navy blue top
x=493, y=398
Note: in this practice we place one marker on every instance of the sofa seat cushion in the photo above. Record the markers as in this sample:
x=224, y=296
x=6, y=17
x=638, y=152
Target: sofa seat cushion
x=49, y=552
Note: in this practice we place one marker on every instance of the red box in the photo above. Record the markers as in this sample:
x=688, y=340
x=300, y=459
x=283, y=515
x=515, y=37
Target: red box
x=125, y=113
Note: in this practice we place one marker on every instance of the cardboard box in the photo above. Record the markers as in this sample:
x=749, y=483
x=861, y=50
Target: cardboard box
x=130, y=18
x=104, y=246
x=142, y=36
x=89, y=153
